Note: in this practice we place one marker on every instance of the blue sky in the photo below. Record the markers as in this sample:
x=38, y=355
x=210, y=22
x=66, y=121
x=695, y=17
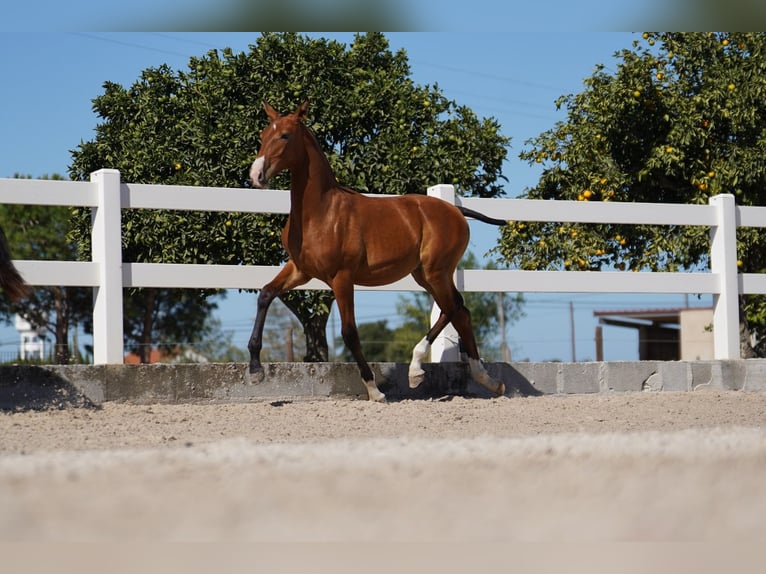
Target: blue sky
x=50, y=79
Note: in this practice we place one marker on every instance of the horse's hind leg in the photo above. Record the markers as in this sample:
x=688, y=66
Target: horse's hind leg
x=288, y=278
x=451, y=303
x=462, y=322
x=415, y=373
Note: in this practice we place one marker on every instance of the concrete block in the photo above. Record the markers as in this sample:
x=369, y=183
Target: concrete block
x=343, y=379
x=87, y=379
x=441, y=379
x=717, y=375
x=755, y=375
x=32, y=387
x=702, y=375
x=731, y=376
x=580, y=378
x=296, y=379
x=628, y=376
x=142, y=384
x=209, y=382
x=393, y=380
x=675, y=375
x=55, y=386
x=652, y=384
x=529, y=379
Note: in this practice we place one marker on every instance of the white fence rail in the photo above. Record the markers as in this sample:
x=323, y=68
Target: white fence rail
x=108, y=275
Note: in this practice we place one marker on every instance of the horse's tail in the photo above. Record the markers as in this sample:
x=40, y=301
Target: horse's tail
x=481, y=217
x=10, y=280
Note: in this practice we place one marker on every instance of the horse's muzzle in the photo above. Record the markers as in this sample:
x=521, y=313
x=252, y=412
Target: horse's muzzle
x=258, y=173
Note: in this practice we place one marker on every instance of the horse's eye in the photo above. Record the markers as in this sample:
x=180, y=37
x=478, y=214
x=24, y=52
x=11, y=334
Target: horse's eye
x=285, y=136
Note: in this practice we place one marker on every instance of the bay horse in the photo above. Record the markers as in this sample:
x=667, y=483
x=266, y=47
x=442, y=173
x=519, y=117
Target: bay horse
x=11, y=282
x=343, y=238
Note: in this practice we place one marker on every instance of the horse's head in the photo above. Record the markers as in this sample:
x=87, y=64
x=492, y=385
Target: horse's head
x=281, y=144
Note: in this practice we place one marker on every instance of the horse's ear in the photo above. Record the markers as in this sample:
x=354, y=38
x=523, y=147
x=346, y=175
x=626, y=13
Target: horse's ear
x=271, y=112
x=302, y=110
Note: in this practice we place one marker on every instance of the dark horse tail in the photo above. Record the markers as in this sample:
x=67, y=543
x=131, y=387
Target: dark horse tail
x=10, y=281
x=481, y=217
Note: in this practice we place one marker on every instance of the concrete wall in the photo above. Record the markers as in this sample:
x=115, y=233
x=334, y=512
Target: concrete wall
x=54, y=386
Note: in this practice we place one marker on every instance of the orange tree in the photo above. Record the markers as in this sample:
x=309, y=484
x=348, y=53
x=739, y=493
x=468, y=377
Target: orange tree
x=200, y=126
x=680, y=118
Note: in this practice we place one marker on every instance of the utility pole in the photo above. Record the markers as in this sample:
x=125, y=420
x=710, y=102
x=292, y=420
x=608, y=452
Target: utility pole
x=506, y=352
x=572, y=330
x=289, y=355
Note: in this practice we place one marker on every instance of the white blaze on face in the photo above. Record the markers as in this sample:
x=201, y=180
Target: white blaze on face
x=256, y=172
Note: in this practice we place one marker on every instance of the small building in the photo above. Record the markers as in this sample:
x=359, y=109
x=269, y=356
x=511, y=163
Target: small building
x=683, y=333
x=155, y=356
x=31, y=340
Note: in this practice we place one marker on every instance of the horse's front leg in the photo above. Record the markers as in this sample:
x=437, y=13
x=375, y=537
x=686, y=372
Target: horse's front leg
x=343, y=288
x=288, y=278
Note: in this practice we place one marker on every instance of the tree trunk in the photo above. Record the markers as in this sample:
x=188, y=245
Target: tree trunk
x=746, y=350
x=314, y=328
x=61, y=343
x=145, y=343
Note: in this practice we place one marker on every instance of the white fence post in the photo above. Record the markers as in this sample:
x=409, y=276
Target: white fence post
x=446, y=347
x=106, y=245
x=723, y=262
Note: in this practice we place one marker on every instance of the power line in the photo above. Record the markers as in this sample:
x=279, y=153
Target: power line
x=128, y=44
x=491, y=109
x=185, y=39
x=489, y=76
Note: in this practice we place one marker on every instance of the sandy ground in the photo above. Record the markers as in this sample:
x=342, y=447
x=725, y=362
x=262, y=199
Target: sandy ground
x=623, y=467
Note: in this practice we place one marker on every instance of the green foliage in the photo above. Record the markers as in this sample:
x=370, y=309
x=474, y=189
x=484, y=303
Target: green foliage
x=282, y=324
x=40, y=233
x=165, y=319
x=681, y=118
x=201, y=126
x=376, y=338
x=213, y=345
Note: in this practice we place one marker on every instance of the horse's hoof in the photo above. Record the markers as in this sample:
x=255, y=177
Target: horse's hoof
x=416, y=379
x=500, y=390
x=376, y=396
x=256, y=375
